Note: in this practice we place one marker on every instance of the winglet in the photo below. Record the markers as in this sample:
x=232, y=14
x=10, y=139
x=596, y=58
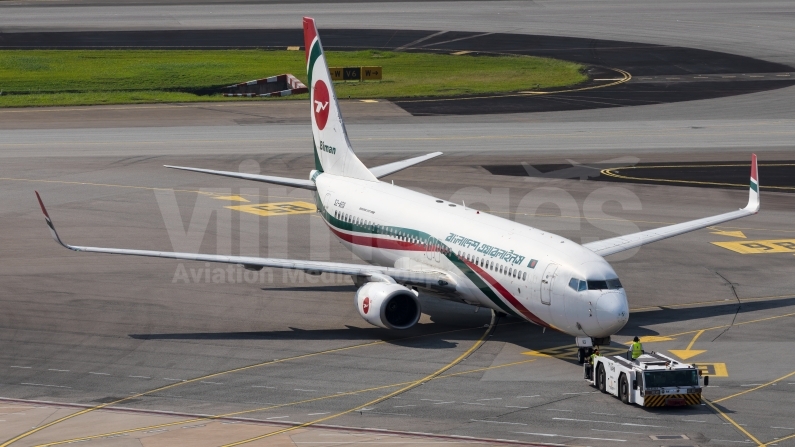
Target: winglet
x=49, y=222
x=753, y=190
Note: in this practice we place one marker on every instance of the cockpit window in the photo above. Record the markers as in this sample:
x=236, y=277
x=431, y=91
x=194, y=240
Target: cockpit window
x=583, y=286
x=604, y=285
x=574, y=283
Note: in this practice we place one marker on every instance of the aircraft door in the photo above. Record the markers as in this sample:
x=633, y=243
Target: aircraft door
x=546, y=283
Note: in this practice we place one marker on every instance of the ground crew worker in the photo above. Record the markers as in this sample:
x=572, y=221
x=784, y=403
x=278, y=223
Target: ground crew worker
x=589, y=368
x=636, y=349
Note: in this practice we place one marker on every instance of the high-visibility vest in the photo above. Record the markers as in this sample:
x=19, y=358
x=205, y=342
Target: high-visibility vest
x=637, y=350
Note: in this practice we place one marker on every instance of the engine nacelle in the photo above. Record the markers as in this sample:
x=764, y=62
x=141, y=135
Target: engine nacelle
x=390, y=306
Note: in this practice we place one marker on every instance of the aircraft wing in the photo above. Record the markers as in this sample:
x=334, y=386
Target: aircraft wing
x=391, y=168
x=626, y=242
x=294, y=182
x=437, y=280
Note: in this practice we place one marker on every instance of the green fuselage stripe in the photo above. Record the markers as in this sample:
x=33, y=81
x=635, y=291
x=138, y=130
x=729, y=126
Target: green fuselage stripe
x=448, y=253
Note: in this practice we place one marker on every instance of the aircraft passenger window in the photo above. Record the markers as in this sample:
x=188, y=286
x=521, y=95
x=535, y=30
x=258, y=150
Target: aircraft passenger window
x=524, y=276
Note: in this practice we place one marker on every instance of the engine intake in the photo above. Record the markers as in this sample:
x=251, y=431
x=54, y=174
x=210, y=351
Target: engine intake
x=390, y=306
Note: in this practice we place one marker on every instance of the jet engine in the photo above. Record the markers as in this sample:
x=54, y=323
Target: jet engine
x=388, y=305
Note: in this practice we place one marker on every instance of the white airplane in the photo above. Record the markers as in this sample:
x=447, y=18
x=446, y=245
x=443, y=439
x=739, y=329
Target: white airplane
x=414, y=241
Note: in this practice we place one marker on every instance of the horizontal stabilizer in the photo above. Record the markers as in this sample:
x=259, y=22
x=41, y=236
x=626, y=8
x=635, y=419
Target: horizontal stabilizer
x=391, y=168
x=295, y=183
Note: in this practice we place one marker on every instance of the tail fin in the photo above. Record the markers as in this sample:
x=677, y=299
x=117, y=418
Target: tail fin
x=333, y=151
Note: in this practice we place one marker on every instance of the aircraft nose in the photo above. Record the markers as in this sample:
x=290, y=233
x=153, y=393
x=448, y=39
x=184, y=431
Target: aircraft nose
x=612, y=311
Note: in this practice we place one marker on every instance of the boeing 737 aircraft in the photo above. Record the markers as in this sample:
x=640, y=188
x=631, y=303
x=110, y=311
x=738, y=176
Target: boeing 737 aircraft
x=417, y=242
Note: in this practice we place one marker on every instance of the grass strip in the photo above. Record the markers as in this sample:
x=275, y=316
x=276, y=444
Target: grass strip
x=88, y=77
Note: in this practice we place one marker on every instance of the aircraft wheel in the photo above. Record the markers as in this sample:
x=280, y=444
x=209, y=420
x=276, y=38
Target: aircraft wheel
x=581, y=356
x=623, y=389
x=601, y=378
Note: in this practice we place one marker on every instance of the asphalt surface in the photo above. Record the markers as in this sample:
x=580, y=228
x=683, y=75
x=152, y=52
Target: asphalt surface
x=705, y=174
x=86, y=329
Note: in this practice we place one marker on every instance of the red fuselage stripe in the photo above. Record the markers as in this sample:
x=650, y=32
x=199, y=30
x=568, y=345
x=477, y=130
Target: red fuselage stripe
x=504, y=292
x=377, y=242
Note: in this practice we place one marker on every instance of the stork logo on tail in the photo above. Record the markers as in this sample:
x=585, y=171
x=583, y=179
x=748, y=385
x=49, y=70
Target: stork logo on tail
x=320, y=98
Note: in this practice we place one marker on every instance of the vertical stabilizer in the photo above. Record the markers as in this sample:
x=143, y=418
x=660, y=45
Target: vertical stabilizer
x=333, y=151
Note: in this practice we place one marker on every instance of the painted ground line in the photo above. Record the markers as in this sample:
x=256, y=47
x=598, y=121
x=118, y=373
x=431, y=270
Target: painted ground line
x=756, y=388
x=553, y=435
x=608, y=422
x=274, y=406
x=217, y=374
x=402, y=390
x=731, y=421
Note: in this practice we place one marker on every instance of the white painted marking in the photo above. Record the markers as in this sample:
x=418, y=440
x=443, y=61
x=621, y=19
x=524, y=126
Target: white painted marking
x=691, y=420
x=587, y=392
x=498, y=422
x=472, y=403
x=752, y=384
x=442, y=403
x=308, y=391
x=514, y=406
x=618, y=431
x=263, y=386
x=41, y=384
x=173, y=380
x=726, y=440
x=277, y=417
x=522, y=397
x=155, y=431
x=492, y=398
x=140, y=377
x=605, y=79
x=784, y=428
x=98, y=374
x=59, y=370
x=605, y=414
x=607, y=422
x=401, y=406
x=315, y=414
x=194, y=426
x=782, y=75
x=22, y=367
x=555, y=409
x=553, y=435
x=212, y=383
x=432, y=400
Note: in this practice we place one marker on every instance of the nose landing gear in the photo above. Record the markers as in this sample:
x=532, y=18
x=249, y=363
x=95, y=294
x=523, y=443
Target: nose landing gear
x=585, y=347
x=582, y=354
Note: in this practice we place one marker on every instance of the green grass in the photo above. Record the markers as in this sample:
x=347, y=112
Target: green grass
x=83, y=77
